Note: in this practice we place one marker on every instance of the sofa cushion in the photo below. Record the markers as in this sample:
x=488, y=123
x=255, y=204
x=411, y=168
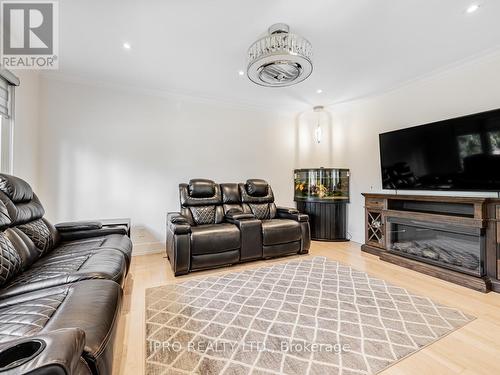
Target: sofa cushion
x=261, y=211
x=91, y=305
x=78, y=247
x=27, y=316
x=278, y=231
x=94, y=307
x=214, y=238
x=10, y=261
x=258, y=198
x=60, y=269
x=107, y=257
x=41, y=233
x=92, y=245
x=203, y=214
x=5, y=220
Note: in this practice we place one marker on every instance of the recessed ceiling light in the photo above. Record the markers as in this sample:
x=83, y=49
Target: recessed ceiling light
x=319, y=91
x=127, y=45
x=241, y=72
x=472, y=8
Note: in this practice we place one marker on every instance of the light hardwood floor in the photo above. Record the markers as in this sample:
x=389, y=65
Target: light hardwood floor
x=473, y=349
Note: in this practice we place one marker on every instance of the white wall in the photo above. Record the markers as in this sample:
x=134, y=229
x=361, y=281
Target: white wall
x=106, y=152
x=109, y=152
x=309, y=153
x=26, y=127
x=469, y=88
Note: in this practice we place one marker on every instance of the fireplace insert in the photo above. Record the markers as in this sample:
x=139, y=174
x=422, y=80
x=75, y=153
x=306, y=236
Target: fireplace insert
x=446, y=245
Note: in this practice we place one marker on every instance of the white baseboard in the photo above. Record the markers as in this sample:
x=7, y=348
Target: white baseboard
x=146, y=248
x=357, y=237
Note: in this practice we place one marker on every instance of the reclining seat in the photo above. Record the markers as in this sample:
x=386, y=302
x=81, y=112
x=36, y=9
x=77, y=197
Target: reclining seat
x=42, y=264
x=91, y=306
x=76, y=238
x=76, y=321
x=284, y=230
x=198, y=237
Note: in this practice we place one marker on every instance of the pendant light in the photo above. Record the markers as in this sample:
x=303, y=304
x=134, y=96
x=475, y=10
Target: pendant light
x=318, y=132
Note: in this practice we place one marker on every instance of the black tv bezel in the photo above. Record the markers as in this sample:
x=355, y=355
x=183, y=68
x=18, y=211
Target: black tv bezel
x=430, y=124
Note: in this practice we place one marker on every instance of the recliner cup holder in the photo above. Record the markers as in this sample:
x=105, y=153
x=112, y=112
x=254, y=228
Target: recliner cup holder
x=20, y=353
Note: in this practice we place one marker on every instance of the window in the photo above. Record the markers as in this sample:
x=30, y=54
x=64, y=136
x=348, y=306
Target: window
x=7, y=89
x=6, y=144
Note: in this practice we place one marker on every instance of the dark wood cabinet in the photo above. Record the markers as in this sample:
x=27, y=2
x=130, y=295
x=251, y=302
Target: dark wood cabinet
x=327, y=220
x=453, y=238
x=375, y=224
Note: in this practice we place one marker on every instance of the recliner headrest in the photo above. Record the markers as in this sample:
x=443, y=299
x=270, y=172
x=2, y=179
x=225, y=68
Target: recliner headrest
x=4, y=217
x=19, y=191
x=21, y=213
x=257, y=188
x=201, y=195
x=201, y=188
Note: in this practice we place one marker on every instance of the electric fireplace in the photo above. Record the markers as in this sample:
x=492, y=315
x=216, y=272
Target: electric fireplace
x=442, y=244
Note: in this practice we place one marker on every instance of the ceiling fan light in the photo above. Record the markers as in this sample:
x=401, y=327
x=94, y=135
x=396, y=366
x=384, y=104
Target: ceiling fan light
x=280, y=58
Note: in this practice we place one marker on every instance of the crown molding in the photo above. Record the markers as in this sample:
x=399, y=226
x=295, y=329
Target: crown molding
x=485, y=55
x=284, y=109
x=169, y=94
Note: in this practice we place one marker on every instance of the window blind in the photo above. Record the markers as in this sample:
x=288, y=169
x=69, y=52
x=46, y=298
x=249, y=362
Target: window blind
x=6, y=79
x=4, y=99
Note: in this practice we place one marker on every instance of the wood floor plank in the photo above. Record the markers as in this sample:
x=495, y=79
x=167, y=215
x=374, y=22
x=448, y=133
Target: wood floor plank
x=473, y=349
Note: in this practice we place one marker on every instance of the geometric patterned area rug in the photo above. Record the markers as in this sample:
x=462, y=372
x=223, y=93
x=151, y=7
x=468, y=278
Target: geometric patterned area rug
x=312, y=316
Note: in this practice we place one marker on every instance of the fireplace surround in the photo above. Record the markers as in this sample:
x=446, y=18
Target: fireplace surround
x=453, y=238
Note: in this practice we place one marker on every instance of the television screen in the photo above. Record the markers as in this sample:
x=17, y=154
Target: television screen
x=457, y=154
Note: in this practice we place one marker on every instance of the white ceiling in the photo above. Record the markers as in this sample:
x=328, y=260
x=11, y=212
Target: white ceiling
x=197, y=47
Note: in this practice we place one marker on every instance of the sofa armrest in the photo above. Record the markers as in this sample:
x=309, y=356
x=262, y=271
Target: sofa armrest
x=292, y=214
x=60, y=353
x=288, y=210
x=76, y=226
x=178, y=246
x=77, y=230
x=178, y=223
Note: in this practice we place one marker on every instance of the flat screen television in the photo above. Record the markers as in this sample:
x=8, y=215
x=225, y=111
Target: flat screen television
x=461, y=154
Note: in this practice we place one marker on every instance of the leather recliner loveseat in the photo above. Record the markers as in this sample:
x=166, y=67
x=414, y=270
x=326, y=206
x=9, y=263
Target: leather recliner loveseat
x=220, y=225
x=60, y=288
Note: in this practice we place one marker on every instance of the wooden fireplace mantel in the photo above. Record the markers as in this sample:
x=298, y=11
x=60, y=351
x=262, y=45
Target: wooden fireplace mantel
x=479, y=213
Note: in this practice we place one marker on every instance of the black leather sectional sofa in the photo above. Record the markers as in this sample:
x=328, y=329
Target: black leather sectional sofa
x=220, y=225
x=60, y=288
